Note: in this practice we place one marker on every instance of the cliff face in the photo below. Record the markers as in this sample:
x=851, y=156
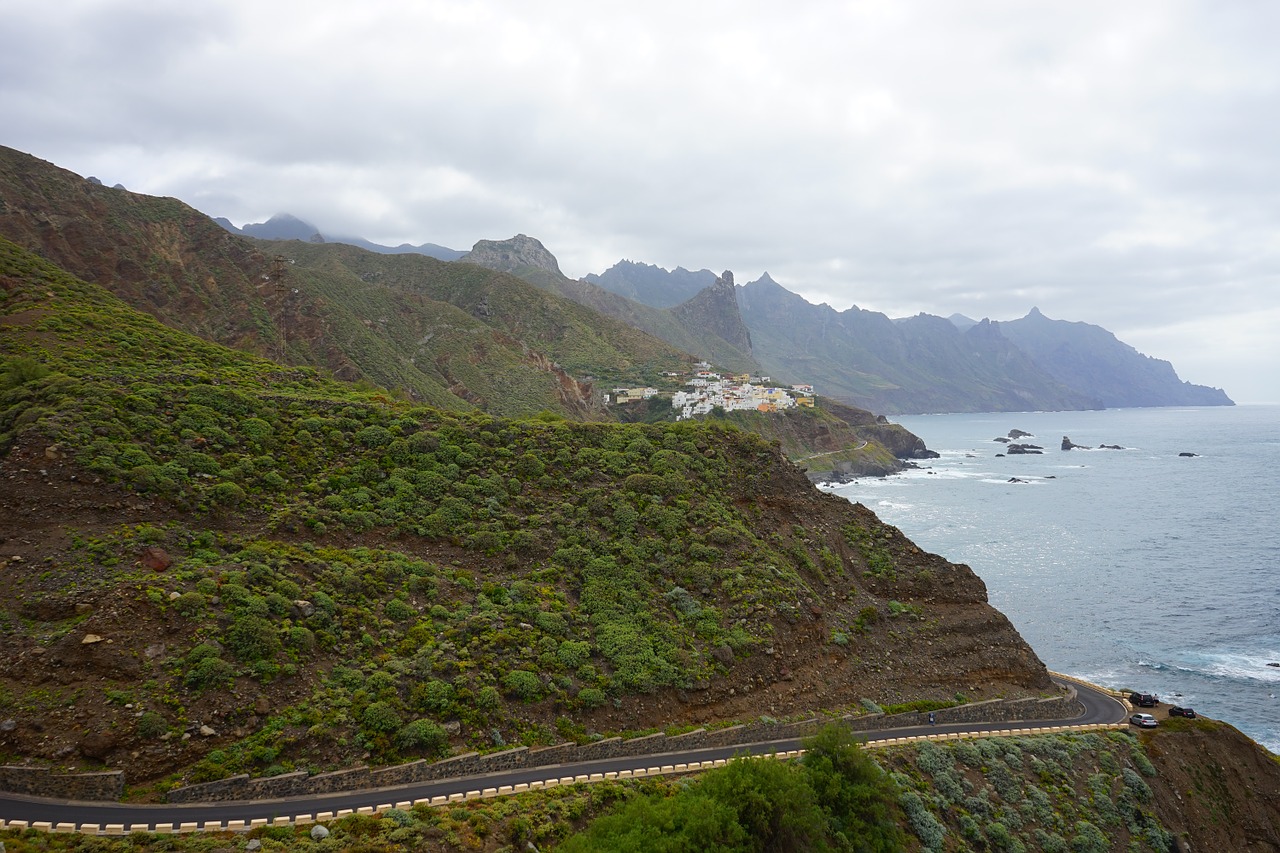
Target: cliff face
x=715, y=310
x=1093, y=361
x=1215, y=787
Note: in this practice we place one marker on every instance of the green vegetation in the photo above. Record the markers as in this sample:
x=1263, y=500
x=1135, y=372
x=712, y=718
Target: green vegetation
x=1079, y=793
x=836, y=798
x=572, y=564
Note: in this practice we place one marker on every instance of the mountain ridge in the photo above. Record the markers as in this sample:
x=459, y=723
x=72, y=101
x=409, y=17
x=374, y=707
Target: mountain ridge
x=1099, y=369
x=286, y=226
x=925, y=364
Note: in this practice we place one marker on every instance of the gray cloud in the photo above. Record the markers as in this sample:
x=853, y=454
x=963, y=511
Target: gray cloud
x=1113, y=164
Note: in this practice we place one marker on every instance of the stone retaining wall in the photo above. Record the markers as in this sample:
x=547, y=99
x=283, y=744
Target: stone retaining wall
x=472, y=764
x=41, y=782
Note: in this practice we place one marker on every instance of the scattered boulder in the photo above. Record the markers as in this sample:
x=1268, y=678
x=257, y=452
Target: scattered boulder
x=90, y=639
x=304, y=608
x=97, y=745
x=156, y=559
x=319, y=832
x=723, y=654
x=253, y=845
x=208, y=731
x=8, y=725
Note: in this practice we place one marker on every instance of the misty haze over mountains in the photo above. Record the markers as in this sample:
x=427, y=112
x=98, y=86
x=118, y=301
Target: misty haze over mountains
x=285, y=226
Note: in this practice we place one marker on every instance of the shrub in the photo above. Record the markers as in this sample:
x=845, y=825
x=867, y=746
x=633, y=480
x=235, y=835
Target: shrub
x=1137, y=785
x=592, y=697
x=488, y=698
x=208, y=672
x=380, y=717
x=399, y=611
x=190, y=604
x=552, y=623
x=573, y=653
x=434, y=695
x=151, y=725
x=1089, y=839
x=922, y=822
x=301, y=638
x=422, y=736
x=227, y=494
x=523, y=685
x=253, y=638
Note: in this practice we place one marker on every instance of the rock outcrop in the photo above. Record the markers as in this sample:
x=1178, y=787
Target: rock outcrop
x=512, y=256
x=715, y=309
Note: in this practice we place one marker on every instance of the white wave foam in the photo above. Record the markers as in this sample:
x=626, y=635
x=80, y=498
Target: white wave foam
x=1243, y=666
x=1237, y=666
x=943, y=473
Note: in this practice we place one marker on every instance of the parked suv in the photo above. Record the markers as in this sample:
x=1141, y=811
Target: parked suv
x=1143, y=700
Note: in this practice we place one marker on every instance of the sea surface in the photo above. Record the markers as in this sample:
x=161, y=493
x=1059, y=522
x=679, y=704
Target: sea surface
x=1133, y=568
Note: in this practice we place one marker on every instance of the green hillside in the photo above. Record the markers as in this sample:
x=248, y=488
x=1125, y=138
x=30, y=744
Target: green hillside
x=354, y=575
x=404, y=322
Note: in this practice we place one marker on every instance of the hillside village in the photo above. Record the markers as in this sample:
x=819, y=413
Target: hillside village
x=709, y=390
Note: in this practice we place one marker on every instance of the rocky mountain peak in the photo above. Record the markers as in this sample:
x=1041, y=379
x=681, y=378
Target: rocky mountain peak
x=519, y=252
x=715, y=308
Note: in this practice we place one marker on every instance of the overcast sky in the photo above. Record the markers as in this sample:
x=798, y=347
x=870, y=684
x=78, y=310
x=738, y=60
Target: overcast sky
x=1114, y=163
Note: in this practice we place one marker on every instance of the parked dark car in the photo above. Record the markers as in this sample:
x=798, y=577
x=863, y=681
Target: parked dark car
x=1175, y=711
x=1143, y=700
x=1146, y=721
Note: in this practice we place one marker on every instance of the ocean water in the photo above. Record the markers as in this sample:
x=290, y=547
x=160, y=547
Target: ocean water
x=1132, y=568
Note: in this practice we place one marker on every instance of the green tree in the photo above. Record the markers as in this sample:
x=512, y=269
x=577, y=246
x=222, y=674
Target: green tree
x=858, y=797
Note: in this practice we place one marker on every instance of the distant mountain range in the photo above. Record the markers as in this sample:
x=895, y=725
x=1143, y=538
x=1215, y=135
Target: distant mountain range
x=285, y=226
x=909, y=365
x=863, y=358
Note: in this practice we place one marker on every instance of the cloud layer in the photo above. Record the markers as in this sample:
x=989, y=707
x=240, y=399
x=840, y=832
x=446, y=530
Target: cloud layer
x=1112, y=163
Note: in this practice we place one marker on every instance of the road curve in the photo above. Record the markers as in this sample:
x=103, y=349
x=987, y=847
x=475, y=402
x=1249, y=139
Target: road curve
x=1099, y=708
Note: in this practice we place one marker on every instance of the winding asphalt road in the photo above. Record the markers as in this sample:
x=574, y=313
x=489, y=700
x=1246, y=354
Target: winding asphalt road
x=1099, y=707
